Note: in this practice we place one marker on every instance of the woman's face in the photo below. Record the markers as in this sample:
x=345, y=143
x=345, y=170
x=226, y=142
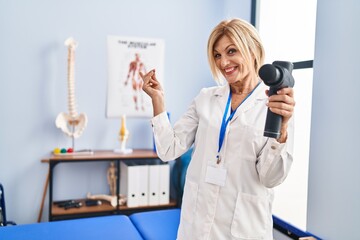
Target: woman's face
x=230, y=61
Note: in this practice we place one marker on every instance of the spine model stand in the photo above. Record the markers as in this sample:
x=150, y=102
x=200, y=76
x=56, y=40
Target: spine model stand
x=72, y=123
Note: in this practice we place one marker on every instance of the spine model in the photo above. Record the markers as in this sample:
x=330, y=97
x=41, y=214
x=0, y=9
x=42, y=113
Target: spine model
x=71, y=80
x=71, y=123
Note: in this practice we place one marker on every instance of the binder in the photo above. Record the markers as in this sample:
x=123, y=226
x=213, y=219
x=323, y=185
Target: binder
x=164, y=186
x=154, y=183
x=145, y=183
x=129, y=183
x=142, y=183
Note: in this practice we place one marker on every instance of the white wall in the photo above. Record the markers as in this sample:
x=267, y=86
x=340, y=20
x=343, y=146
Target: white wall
x=33, y=84
x=334, y=190
x=237, y=8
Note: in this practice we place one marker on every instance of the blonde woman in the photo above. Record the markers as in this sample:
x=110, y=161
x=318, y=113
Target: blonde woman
x=228, y=189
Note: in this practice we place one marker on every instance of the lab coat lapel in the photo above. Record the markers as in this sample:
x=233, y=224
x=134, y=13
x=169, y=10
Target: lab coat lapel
x=257, y=96
x=222, y=94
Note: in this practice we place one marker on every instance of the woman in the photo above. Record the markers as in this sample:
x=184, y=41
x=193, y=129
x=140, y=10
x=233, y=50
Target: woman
x=228, y=190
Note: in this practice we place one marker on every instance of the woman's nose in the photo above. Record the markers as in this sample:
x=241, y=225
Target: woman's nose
x=224, y=61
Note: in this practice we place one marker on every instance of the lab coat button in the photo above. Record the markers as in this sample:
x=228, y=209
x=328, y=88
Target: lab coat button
x=273, y=147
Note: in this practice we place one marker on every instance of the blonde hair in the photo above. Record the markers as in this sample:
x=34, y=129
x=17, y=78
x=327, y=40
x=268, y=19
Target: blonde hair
x=246, y=39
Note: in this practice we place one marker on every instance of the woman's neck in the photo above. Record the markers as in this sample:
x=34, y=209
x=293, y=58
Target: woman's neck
x=244, y=86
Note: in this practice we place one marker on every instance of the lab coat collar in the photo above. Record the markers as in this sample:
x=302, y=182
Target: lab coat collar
x=222, y=93
x=257, y=96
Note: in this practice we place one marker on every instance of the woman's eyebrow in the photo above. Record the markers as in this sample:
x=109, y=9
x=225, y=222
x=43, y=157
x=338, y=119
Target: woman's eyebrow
x=226, y=48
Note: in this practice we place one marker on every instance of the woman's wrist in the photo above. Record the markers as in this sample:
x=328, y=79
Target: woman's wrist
x=283, y=134
x=158, y=105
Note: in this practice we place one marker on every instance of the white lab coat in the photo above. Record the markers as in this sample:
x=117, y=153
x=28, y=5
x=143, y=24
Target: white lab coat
x=242, y=208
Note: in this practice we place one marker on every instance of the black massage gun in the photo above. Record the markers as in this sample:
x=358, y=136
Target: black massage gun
x=277, y=76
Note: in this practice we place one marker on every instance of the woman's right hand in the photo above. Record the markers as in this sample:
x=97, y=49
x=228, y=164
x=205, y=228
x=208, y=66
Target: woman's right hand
x=151, y=85
x=153, y=88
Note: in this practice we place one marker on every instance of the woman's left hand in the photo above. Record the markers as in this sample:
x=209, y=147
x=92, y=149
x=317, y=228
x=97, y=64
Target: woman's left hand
x=282, y=103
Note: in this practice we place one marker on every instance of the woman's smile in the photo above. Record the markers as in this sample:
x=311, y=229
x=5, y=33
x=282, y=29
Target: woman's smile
x=230, y=70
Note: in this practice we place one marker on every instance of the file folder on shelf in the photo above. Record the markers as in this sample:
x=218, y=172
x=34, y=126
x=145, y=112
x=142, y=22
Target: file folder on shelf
x=154, y=184
x=159, y=183
x=143, y=172
x=145, y=183
x=164, y=188
x=133, y=183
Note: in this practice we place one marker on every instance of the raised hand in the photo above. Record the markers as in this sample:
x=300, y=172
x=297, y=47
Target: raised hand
x=151, y=85
x=153, y=88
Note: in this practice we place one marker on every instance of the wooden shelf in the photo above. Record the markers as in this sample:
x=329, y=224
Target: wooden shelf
x=104, y=207
x=172, y=203
x=99, y=155
x=58, y=213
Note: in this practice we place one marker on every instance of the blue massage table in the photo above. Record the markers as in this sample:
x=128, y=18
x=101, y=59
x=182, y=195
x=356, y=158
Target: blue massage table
x=118, y=227
x=157, y=225
x=152, y=225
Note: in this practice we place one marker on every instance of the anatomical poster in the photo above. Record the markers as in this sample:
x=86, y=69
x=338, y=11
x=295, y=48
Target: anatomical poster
x=127, y=56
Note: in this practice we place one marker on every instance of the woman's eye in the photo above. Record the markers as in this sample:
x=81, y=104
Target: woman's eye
x=232, y=51
x=217, y=56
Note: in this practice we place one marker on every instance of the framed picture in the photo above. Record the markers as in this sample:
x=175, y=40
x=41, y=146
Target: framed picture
x=127, y=56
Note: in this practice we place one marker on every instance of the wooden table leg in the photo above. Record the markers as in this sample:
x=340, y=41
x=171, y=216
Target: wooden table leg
x=43, y=197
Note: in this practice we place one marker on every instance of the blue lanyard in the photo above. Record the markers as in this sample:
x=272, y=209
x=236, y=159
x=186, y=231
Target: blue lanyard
x=225, y=121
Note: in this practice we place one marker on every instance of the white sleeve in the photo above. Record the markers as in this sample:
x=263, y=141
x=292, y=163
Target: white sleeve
x=275, y=160
x=172, y=142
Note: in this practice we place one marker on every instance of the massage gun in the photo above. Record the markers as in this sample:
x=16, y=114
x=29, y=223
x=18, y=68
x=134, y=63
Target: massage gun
x=277, y=76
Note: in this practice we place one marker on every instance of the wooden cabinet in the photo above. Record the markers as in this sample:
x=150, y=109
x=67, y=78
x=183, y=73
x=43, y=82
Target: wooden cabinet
x=59, y=213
